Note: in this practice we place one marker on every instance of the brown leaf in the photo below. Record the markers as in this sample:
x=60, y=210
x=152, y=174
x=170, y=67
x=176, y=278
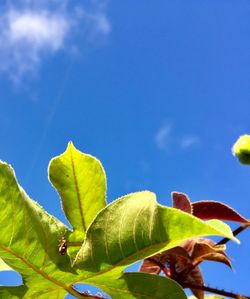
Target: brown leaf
x=177, y=251
x=216, y=210
x=204, y=251
x=181, y=202
x=209, y=242
x=188, y=245
x=195, y=278
x=177, y=259
x=150, y=267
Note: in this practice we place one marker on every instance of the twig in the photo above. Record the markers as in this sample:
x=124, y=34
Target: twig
x=215, y=291
x=199, y=287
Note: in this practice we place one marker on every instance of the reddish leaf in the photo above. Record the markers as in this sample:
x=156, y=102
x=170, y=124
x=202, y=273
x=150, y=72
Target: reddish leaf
x=176, y=251
x=215, y=210
x=183, y=262
x=195, y=278
x=181, y=202
x=206, y=249
x=177, y=260
x=150, y=267
x=188, y=245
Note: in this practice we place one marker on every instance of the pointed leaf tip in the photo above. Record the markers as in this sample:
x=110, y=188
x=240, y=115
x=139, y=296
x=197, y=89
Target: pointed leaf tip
x=224, y=228
x=70, y=145
x=208, y=209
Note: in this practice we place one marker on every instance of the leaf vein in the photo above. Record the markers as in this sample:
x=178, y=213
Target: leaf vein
x=134, y=226
x=119, y=233
x=34, y=268
x=77, y=191
x=106, y=239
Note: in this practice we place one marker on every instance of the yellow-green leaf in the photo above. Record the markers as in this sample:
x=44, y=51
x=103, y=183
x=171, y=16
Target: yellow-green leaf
x=81, y=182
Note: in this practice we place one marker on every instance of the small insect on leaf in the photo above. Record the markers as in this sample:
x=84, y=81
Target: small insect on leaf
x=62, y=247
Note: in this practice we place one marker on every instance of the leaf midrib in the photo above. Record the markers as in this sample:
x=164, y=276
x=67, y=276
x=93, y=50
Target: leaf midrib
x=110, y=268
x=77, y=191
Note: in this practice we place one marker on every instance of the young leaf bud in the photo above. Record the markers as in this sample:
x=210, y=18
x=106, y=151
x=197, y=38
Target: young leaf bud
x=241, y=149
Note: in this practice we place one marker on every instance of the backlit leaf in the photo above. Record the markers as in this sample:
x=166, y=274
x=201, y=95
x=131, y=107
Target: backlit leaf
x=208, y=297
x=142, y=286
x=29, y=240
x=132, y=228
x=81, y=182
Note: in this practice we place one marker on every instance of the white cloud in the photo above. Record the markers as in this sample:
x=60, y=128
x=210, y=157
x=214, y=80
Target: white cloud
x=189, y=141
x=162, y=137
x=165, y=139
x=30, y=31
x=37, y=29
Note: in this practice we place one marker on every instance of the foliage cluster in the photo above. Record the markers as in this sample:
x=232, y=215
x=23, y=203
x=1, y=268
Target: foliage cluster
x=106, y=238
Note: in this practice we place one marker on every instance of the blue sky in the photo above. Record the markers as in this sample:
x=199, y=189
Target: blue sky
x=159, y=92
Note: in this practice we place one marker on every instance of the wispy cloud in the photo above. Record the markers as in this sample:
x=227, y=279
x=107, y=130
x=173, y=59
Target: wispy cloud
x=26, y=37
x=30, y=31
x=166, y=139
x=162, y=137
x=36, y=29
x=189, y=141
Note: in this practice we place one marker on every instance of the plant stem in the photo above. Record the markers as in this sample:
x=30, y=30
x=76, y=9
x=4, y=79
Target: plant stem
x=200, y=287
x=215, y=291
x=74, y=244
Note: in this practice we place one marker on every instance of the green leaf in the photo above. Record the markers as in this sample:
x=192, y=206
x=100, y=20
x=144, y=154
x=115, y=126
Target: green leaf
x=24, y=292
x=129, y=229
x=133, y=228
x=208, y=297
x=29, y=244
x=141, y=285
x=221, y=226
x=29, y=240
x=12, y=292
x=81, y=182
